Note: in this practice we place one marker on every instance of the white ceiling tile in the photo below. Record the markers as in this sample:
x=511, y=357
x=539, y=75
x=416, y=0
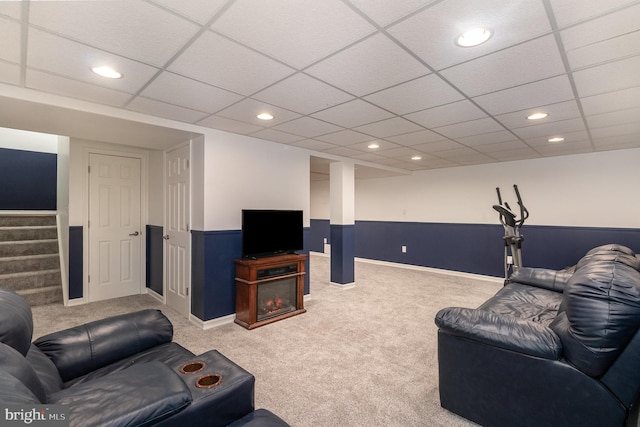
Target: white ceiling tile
x=434, y=147
x=75, y=89
x=11, y=8
x=487, y=138
x=229, y=125
x=9, y=73
x=404, y=153
x=608, y=77
x=415, y=138
x=308, y=126
x=615, y=131
x=313, y=144
x=419, y=94
x=74, y=60
x=384, y=12
x=606, y=51
x=456, y=112
x=621, y=117
x=223, y=63
x=342, y=151
x=277, y=136
x=10, y=40
x=611, y=101
x=571, y=11
x=534, y=60
x=505, y=154
x=168, y=111
x=497, y=147
x=431, y=33
x=617, y=142
x=353, y=113
x=247, y=110
x=472, y=127
x=607, y=27
x=139, y=30
x=303, y=93
x=463, y=153
x=580, y=136
x=577, y=147
x=314, y=29
x=369, y=66
x=544, y=92
x=200, y=11
x=389, y=127
x=548, y=130
x=369, y=157
x=560, y=111
x=345, y=137
x=189, y=93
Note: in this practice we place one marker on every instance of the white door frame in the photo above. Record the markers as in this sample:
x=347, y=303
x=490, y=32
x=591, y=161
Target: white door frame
x=144, y=210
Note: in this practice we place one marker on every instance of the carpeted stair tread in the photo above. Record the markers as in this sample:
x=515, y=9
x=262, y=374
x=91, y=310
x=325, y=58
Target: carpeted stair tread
x=28, y=247
x=12, y=234
x=19, y=264
x=27, y=220
x=42, y=296
x=31, y=279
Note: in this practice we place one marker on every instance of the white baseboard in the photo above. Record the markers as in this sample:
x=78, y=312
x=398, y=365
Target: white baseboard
x=213, y=323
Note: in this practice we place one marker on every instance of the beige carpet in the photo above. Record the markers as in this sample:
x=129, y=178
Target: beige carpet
x=365, y=356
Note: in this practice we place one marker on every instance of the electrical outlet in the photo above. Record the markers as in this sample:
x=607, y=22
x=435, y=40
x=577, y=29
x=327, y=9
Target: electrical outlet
x=325, y=240
x=404, y=249
x=510, y=260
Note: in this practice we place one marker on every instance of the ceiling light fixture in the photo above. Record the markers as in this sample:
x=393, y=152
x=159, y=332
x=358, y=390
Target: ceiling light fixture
x=537, y=116
x=373, y=146
x=416, y=158
x=556, y=139
x=107, y=72
x=474, y=37
x=265, y=116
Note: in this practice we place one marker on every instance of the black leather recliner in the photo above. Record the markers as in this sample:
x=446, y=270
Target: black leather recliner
x=553, y=348
x=123, y=370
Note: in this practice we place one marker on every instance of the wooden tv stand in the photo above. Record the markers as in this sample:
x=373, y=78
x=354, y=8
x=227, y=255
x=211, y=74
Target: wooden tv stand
x=255, y=277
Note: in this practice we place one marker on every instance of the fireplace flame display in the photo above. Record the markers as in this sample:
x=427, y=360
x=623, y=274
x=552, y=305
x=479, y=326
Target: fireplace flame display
x=275, y=305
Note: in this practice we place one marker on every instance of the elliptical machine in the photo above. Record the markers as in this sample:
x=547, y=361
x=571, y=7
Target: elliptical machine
x=512, y=237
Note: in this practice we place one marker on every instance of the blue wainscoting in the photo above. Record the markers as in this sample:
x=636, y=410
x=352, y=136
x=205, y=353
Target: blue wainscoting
x=29, y=180
x=213, y=289
x=75, y=262
x=342, y=254
x=473, y=248
x=155, y=267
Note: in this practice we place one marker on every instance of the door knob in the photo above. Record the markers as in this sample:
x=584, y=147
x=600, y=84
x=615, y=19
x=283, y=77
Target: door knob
x=134, y=234
x=165, y=237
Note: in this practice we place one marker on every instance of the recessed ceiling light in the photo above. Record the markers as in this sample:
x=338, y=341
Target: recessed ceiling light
x=265, y=116
x=373, y=145
x=416, y=158
x=537, y=116
x=556, y=139
x=474, y=37
x=107, y=72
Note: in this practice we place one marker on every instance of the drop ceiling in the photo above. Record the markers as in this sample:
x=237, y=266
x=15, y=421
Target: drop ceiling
x=338, y=75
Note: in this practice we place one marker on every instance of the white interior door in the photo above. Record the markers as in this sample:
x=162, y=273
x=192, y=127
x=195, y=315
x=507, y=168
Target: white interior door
x=177, y=236
x=115, y=236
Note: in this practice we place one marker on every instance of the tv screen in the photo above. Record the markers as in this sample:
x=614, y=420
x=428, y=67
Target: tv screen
x=271, y=232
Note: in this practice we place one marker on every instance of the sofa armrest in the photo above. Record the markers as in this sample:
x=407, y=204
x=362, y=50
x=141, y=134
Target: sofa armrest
x=553, y=280
x=140, y=395
x=506, y=332
x=85, y=348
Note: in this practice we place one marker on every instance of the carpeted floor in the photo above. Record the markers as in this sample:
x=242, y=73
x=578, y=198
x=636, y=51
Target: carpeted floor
x=365, y=356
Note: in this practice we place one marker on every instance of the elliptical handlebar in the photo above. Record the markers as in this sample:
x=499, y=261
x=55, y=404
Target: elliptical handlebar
x=524, y=213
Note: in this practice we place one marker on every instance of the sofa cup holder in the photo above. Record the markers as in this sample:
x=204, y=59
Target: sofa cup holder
x=209, y=381
x=192, y=367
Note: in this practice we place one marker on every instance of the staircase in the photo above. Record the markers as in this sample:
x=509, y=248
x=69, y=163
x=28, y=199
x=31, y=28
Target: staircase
x=29, y=260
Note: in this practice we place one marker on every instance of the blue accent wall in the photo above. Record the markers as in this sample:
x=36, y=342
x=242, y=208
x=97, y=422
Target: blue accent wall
x=213, y=272
x=29, y=180
x=75, y=261
x=155, y=261
x=473, y=248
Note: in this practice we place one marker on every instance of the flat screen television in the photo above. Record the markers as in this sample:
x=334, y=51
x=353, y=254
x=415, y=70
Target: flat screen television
x=271, y=232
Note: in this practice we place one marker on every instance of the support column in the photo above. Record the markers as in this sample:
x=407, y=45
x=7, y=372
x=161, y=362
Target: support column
x=342, y=223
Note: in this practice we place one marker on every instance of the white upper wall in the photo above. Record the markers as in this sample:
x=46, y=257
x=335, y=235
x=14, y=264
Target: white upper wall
x=246, y=173
x=28, y=141
x=593, y=190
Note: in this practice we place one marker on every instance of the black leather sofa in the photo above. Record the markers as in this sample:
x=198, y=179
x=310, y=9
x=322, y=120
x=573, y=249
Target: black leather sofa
x=121, y=371
x=551, y=348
